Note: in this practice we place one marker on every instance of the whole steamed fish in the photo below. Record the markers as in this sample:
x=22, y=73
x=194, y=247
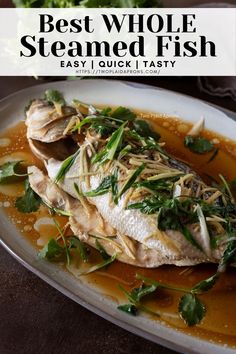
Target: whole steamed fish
x=110, y=172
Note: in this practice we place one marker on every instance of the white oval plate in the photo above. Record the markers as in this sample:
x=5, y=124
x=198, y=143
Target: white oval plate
x=136, y=96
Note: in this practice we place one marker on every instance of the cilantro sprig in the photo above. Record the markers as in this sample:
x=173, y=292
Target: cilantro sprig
x=191, y=309
x=199, y=144
x=29, y=202
x=11, y=172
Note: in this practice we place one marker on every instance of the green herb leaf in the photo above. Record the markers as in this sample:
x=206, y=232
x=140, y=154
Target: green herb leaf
x=29, y=202
x=108, y=184
x=124, y=114
x=101, y=250
x=191, y=309
x=67, y=251
x=143, y=129
x=138, y=293
x=82, y=249
x=53, y=252
x=130, y=182
x=213, y=156
x=103, y=188
x=229, y=256
x=198, y=144
x=10, y=172
x=128, y=308
x=54, y=96
x=205, y=284
x=65, y=167
x=165, y=185
x=227, y=188
x=110, y=150
x=100, y=265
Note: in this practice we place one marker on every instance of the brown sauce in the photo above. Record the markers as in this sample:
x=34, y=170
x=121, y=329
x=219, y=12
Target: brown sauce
x=219, y=325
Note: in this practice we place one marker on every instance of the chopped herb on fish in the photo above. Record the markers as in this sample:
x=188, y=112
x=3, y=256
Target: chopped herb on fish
x=108, y=184
x=108, y=153
x=65, y=167
x=130, y=182
x=103, y=188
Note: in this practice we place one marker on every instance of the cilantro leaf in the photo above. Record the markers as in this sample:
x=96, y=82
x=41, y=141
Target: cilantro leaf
x=128, y=308
x=123, y=113
x=138, y=293
x=205, y=284
x=53, y=251
x=143, y=129
x=82, y=249
x=10, y=172
x=191, y=309
x=54, y=96
x=29, y=202
x=198, y=144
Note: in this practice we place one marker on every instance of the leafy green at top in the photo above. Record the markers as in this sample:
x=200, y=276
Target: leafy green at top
x=29, y=202
x=198, y=144
x=120, y=3
x=54, y=96
x=11, y=172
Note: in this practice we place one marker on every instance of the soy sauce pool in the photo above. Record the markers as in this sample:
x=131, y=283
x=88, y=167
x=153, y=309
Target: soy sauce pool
x=219, y=325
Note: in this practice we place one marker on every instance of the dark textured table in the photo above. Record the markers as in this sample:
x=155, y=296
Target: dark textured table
x=35, y=318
